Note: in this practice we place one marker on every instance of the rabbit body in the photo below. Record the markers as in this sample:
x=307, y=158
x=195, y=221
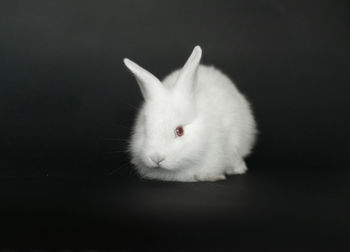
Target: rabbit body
x=219, y=129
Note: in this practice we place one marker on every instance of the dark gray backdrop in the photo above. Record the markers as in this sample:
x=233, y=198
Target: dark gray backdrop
x=67, y=102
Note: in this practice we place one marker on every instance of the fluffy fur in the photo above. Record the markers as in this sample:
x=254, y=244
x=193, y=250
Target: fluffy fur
x=219, y=127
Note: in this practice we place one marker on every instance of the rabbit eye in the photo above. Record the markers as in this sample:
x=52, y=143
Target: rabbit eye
x=179, y=131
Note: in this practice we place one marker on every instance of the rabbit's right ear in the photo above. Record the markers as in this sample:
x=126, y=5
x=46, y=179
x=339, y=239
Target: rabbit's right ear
x=149, y=84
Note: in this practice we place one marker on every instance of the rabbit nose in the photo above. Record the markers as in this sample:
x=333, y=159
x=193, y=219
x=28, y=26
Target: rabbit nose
x=157, y=158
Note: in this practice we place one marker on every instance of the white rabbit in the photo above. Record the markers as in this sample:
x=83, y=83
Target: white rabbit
x=193, y=126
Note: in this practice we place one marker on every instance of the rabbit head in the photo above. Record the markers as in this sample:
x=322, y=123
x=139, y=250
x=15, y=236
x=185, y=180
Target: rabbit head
x=168, y=132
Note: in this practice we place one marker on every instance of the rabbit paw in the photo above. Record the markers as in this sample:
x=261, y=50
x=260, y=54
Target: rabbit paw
x=239, y=168
x=210, y=177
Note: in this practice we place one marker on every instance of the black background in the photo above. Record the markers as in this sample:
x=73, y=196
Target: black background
x=67, y=105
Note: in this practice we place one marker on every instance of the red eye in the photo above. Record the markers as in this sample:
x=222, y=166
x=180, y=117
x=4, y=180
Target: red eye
x=179, y=131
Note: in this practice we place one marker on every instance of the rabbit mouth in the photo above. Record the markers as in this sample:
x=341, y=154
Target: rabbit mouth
x=161, y=167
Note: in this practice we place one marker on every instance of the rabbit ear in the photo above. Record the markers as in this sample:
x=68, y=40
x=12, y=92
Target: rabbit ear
x=149, y=84
x=188, y=75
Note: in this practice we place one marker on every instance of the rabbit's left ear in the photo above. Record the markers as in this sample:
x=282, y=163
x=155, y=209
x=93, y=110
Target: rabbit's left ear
x=187, y=79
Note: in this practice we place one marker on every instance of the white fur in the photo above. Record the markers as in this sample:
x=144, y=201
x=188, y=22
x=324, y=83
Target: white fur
x=219, y=127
